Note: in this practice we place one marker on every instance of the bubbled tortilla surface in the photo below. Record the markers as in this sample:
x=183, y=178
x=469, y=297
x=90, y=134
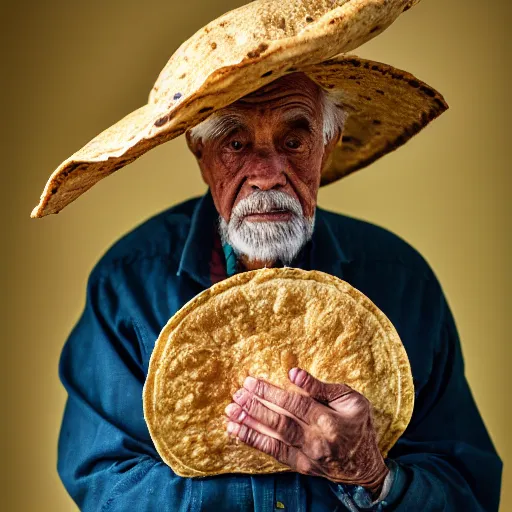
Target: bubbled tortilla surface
x=263, y=323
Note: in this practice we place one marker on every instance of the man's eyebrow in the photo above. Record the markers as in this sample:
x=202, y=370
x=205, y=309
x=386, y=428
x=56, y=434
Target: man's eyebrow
x=218, y=126
x=226, y=123
x=298, y=120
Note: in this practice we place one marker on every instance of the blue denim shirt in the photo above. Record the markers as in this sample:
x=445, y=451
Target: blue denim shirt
x=106, y=459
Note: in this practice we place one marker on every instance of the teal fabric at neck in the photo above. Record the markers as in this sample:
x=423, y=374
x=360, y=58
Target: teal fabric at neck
x=231, y=262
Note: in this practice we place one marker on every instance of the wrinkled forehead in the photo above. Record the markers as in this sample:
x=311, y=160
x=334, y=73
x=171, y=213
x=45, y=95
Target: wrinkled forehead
x=292, y=98
x=291, y=90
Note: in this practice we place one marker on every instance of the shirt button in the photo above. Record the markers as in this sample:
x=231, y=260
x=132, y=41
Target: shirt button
x=279, y=504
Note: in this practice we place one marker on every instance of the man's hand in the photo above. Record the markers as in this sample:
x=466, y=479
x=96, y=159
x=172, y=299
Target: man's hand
x=326, y=432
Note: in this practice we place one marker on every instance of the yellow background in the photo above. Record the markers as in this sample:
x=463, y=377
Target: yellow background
x=70, y=69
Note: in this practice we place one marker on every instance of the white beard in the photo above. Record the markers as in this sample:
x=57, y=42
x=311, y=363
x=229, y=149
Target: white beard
x=271, y=240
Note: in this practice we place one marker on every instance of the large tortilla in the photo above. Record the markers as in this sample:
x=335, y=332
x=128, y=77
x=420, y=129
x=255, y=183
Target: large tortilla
x=263, y=323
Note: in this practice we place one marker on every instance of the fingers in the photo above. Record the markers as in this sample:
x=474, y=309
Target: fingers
x=317, y=389
x=303, y=407
x=307, y=382
x=262, y=442
x=249, y=411
x=288, y=455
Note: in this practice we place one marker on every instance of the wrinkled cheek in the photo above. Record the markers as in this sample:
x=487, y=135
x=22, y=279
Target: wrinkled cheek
x=310, y=209
x=311, y=179
x=309, y=194
x=221, y=198
x=225, y=179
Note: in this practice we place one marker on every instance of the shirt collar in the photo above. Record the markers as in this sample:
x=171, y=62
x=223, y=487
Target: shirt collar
x=326, y=253
x=195, y=258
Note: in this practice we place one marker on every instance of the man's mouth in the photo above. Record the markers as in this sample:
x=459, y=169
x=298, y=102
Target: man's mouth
x=271, y=215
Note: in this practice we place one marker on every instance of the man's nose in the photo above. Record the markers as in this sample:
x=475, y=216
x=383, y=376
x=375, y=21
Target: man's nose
x=267, y=172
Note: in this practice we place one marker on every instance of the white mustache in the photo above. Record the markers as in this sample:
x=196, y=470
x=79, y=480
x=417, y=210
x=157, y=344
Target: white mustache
x=265, y=202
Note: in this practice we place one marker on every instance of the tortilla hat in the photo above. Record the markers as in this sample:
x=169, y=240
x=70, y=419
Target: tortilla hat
x=246, y=49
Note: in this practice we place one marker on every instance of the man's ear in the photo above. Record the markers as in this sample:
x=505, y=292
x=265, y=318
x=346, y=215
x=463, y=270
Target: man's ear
x=195, y=145
x=329, y=147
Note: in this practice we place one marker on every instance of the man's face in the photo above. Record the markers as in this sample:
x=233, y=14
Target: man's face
x=270, y=141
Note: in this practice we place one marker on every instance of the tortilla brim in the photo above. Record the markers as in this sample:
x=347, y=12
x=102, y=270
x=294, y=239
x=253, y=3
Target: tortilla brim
x=386, y=107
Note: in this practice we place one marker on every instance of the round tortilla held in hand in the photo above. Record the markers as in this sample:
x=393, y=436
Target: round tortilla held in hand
x=263, y=323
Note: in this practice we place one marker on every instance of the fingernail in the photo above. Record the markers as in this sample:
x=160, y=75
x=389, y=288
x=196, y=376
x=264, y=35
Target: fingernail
x=231, y=409
x=293, y=374
x=250, y=383
x=231, y=427
x=239, y=394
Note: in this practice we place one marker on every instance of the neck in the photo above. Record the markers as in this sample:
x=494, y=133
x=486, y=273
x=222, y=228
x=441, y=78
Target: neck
x=255, y=264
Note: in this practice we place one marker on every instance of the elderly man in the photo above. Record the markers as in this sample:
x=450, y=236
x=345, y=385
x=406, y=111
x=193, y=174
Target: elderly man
x=261, y=158
x=271, y=111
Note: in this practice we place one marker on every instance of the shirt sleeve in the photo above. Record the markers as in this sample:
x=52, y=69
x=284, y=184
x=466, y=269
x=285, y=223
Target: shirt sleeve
x=106, y=458
x=445, y=459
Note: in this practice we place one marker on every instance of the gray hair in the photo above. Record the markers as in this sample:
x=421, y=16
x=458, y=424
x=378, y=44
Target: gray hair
x=220, y=122
x=334, y=116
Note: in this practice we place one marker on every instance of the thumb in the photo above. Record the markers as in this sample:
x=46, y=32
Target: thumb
x=306, y=381
x=317, y=389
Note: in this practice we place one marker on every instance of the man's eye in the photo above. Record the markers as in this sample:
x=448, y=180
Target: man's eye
x=236, y=145
x=292, y=143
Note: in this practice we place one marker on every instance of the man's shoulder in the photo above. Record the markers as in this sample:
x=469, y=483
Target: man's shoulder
x=364, y=242
x=161, y=236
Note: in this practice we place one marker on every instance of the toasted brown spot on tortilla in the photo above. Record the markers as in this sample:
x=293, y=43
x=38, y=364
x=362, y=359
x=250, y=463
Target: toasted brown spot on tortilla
x=428, y=91
x=161, y=121
x=336, y=20
x=254, y=54
x=351, y=140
